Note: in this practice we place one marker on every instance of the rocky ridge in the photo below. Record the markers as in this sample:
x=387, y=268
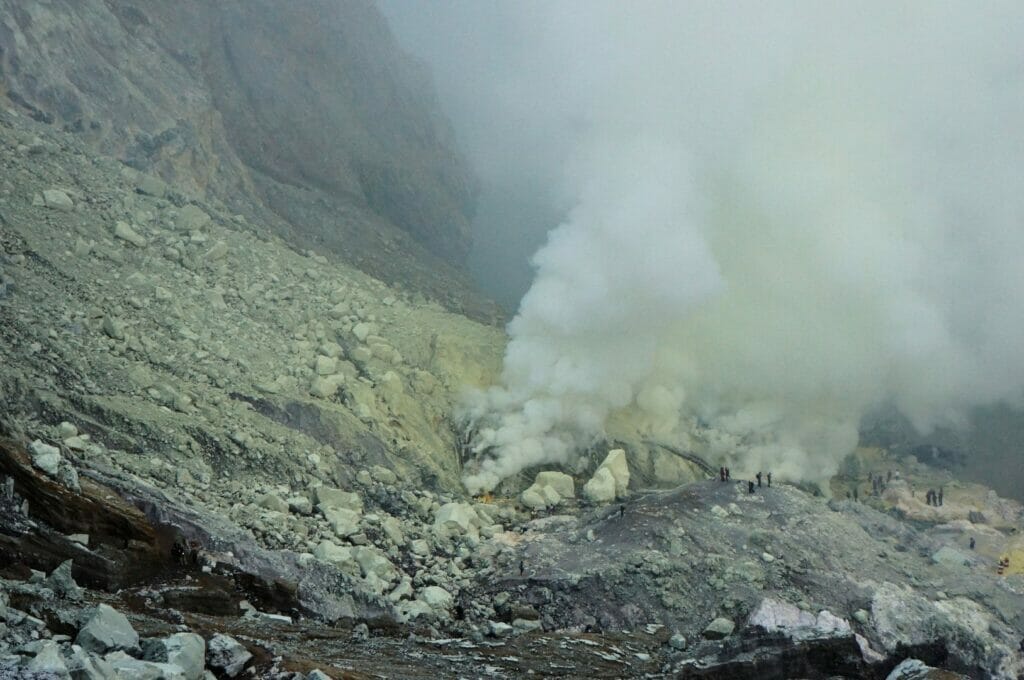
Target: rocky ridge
x=308, y=119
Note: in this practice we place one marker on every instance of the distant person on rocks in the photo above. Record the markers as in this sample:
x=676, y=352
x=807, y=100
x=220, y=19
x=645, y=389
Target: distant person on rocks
x=769, y=480
x=750, y=487
x=856, y=496
x=972, y=542
x=622, y=511
x=728, y=475
x=758, y=475
x=721, y=473
x=940, y=495
x=929, y=497
x=888, y=476
x=522, y=567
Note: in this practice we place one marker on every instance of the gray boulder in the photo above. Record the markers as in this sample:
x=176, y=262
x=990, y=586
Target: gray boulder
x=719, y=628
x=45, y=457
x=48, y=662
x=84, y=666
x=108, y=630
x=128, y=668
x=61, y=582
x=187, y=651
x=224, y=653
x=55, y=199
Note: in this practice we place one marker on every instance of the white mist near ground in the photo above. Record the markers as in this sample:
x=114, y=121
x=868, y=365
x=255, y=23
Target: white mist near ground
x=785, y=215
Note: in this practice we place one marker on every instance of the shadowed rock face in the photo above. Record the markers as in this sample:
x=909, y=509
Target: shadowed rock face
x=304, y=115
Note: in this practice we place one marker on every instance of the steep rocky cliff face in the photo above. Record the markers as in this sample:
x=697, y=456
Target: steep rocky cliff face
x=305, y=115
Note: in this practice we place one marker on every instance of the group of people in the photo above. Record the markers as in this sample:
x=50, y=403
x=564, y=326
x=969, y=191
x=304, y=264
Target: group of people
x=725, y=476
x=933, y=498
x=878, y=483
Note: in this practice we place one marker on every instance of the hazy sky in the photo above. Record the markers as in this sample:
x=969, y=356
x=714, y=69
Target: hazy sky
x=771, y=215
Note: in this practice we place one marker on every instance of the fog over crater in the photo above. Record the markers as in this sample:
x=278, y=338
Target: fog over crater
x=767, y=218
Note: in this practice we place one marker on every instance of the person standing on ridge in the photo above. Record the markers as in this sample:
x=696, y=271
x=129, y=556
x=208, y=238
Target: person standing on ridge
x=721, y=473
x=758, y=475
x=769, y=480
x=750, y=487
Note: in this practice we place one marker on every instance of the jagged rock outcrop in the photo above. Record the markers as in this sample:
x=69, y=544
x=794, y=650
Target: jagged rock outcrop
x=306, y=116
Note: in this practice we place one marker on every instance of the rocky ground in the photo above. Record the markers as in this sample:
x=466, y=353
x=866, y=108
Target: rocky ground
x=224, y=456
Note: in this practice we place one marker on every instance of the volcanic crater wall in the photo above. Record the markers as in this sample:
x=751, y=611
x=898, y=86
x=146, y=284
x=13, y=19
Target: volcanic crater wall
x=307, y=114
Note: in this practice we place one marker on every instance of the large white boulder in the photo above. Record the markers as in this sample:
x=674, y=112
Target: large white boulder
x=601, y=487
x=534, y=498
x=437, y=597
x=455, y=519
x=343, y=521
x=328, y=497
x=559, y=481
x=339, y=556
x=615, y=462
x=108, y=630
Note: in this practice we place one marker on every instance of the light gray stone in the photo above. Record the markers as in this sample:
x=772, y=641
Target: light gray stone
x=437, y=597
x=559, y=481
x=48, y=662
x=124, y=231
x=84, y=666
x=45, y=457
x=272, y=501
x=226, y=654
x=300, y=505
x=151, y=186
x=187, y=651
x=328, y=497
x=192, y=218
x=343, y=521
x=61, y=582
x=499, y=629
x=601, y=487
x=108, y=630
x=719, y=628
x=113, y=327
x=128, y=668
x=383, y=475
x=455, y=519
x=55, y=199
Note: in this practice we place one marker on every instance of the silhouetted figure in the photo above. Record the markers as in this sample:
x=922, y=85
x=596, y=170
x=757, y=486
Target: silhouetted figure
x=622, y=511
x=972, y=542
x=769, y=480
x=888, y=476
x=856, y=496
x=522, y=567
x=728, y=475
x=758, y=475
x=929, y=497
x=750, y=487
x=721, y=473
x=940, y=495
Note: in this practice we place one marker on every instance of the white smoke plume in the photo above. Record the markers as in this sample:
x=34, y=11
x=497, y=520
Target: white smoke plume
x=785, y=214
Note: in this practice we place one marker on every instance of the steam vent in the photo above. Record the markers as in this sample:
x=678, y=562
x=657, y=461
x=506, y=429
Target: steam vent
x=347, y=339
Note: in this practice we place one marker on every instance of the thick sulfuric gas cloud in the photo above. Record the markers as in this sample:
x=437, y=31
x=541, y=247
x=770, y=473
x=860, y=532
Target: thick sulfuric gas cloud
x=784, y=214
